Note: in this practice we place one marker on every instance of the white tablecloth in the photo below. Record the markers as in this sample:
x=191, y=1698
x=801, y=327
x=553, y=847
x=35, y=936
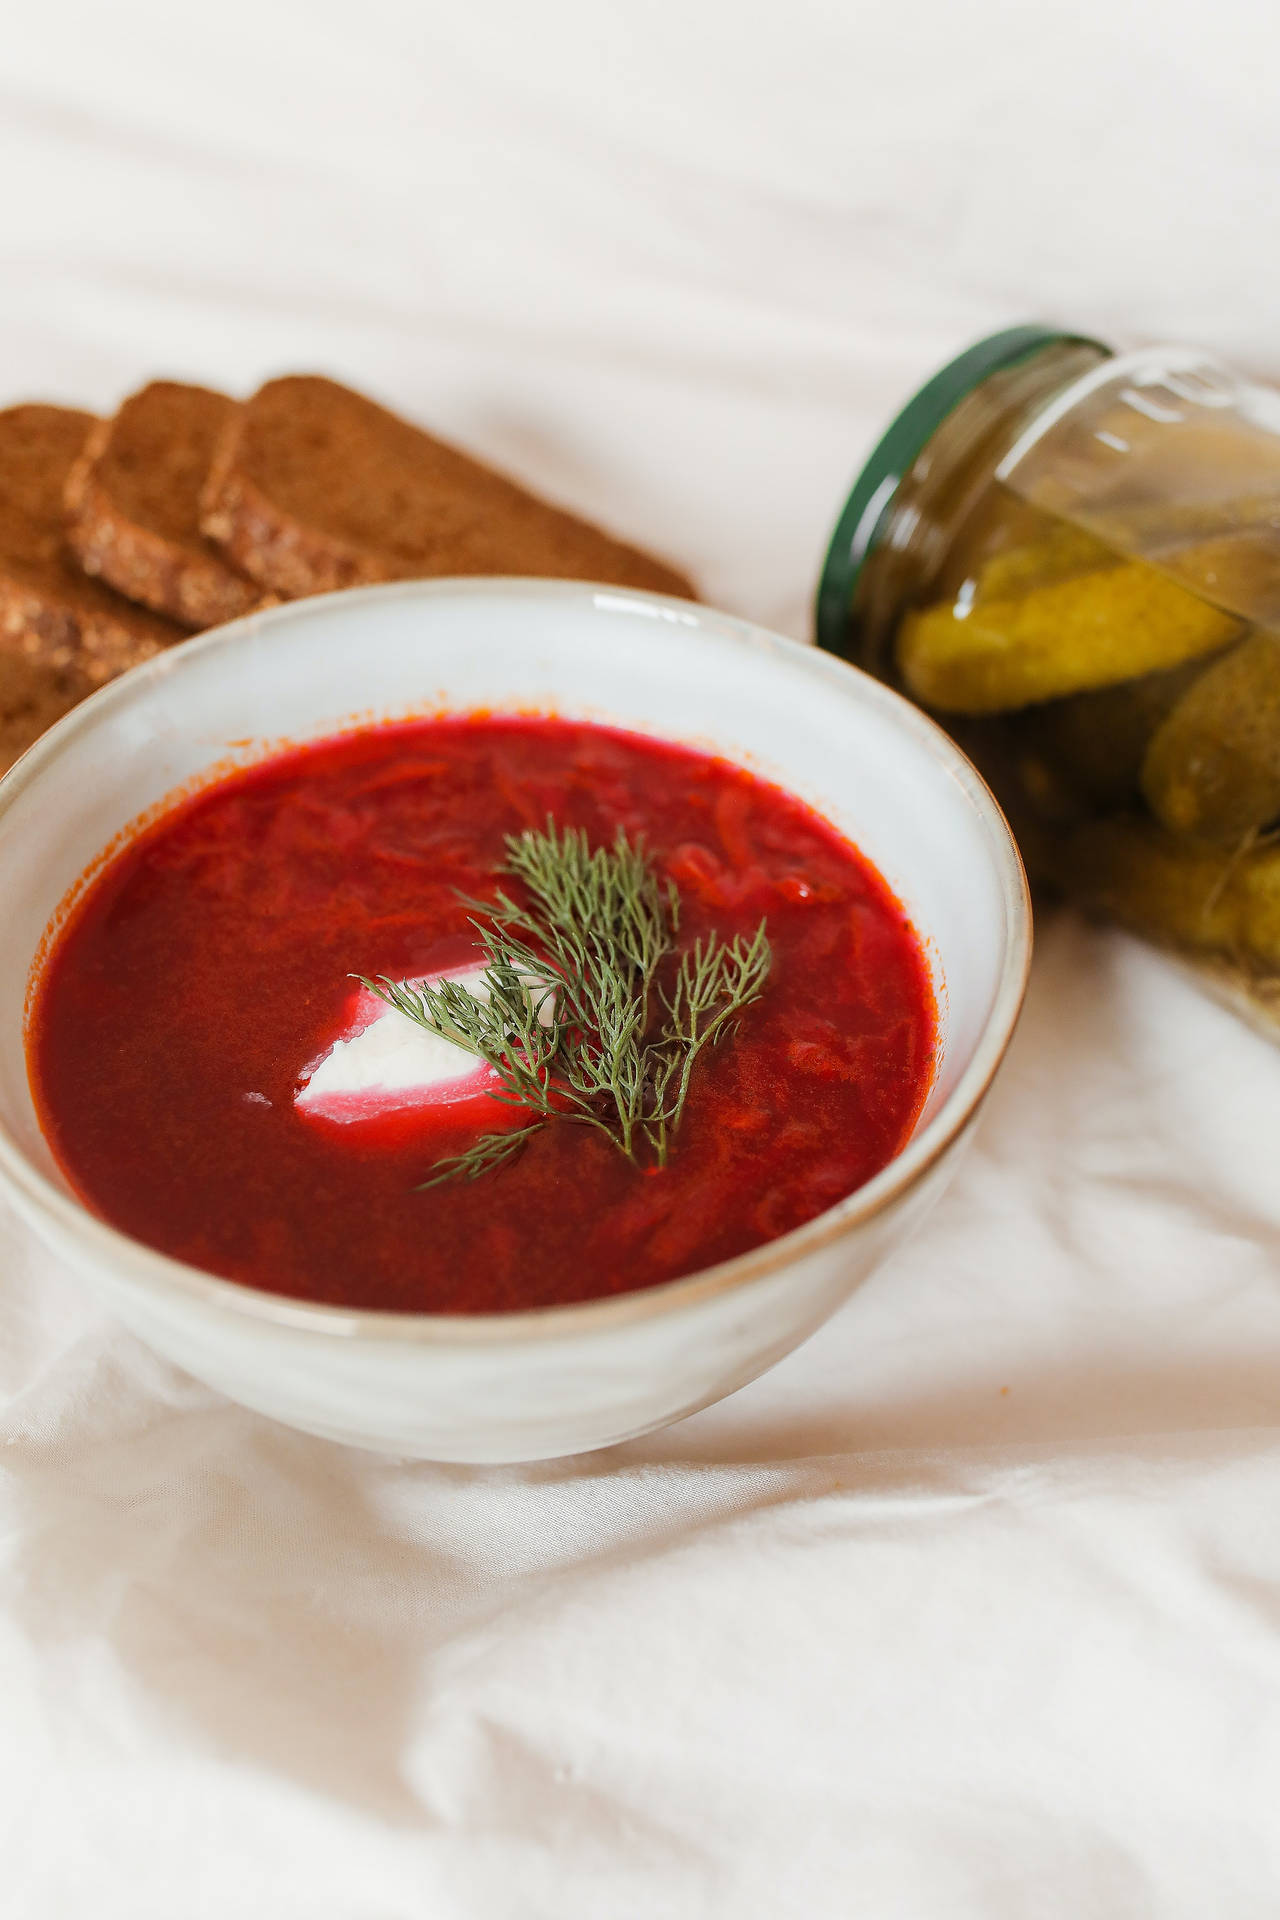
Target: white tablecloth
x=972, y=1607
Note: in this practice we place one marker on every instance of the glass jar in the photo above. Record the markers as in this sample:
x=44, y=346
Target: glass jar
x=1071, y=559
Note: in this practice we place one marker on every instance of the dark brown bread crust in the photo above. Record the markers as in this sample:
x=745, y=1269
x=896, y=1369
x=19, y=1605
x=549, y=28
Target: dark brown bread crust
x=314, y=488
x=133, y=500
x=32, y=696
x=49, y=610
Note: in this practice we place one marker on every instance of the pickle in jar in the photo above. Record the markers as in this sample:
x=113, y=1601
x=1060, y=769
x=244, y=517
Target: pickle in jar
x=1085, y=754
x=1172, y=891
x=1212, y=769
x=1069, y=636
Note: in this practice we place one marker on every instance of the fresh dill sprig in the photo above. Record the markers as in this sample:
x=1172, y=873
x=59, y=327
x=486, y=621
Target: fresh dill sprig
x=491, y=1150
x=574, y=1021
x=714, y=983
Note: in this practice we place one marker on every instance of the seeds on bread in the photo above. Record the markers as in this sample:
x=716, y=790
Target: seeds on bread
x=49, y=609
x=133, y=500
x=314, y=488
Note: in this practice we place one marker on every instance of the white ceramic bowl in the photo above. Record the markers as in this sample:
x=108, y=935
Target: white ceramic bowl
x=562, y=1379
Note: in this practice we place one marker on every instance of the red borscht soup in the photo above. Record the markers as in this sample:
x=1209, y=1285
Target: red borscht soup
x=216, y=1081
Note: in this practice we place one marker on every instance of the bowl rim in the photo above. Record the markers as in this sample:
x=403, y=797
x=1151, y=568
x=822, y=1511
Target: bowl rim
x=907, y=1168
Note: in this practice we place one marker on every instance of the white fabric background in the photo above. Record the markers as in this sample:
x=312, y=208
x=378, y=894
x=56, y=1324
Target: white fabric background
x=972, y=1607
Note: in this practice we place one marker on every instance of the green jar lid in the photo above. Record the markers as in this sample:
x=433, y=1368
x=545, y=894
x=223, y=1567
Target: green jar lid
x=868, y=506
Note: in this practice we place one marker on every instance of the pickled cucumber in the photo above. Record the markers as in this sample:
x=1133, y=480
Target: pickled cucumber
x=1212, y=770
x=1186, y=896
x=1092, y=630
x=1085, y=754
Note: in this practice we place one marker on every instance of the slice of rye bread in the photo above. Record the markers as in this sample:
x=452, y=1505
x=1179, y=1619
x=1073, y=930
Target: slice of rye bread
x=133, y=506
x=49, y=609
x=314, y=488
x=32, y=696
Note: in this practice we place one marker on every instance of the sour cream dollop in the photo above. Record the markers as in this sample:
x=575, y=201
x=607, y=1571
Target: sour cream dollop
x=383, y=1062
